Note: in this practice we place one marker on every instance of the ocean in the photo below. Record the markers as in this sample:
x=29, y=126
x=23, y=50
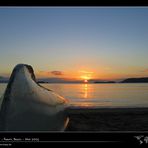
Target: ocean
x=100, y=95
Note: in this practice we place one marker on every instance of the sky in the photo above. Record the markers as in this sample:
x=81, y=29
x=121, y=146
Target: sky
x=107, y=43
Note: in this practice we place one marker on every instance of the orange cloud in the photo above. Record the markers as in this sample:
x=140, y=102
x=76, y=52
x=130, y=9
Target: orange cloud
x=57, y=73
x=49, y=73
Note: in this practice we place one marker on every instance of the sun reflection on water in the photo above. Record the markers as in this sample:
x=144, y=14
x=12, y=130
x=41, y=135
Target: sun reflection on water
x=85, y=91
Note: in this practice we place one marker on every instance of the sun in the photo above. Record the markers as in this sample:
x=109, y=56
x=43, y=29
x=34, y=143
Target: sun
x=85, y=80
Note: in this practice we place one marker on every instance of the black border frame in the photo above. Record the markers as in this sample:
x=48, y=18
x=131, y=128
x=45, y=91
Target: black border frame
x=101, y=138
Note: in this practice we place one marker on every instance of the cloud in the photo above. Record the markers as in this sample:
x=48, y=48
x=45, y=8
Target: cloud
x=57, y=73
x=145, y=70
x=50, y=73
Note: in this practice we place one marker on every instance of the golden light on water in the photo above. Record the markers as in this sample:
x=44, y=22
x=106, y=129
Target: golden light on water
x=85, y=91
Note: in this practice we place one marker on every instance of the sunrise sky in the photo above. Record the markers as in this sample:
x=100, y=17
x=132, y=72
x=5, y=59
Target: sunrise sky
x=76, y=43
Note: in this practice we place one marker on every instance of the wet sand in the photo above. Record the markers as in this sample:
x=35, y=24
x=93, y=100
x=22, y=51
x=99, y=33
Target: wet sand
x=108, y=119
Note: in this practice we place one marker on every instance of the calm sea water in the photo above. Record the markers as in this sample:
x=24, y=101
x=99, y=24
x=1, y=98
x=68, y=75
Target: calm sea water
x=100, y=95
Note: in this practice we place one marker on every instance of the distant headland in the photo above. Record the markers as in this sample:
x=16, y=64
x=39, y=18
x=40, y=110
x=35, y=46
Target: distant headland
x=136, y=80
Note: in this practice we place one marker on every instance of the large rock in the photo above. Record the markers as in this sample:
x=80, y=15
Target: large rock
x=27, y=106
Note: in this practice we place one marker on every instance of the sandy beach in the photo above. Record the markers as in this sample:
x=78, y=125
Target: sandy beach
x=108, y=119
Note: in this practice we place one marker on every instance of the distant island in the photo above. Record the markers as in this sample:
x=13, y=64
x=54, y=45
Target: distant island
x=104, y=82
x=58, y=80
x=4, y=79
x=135, y=80
x=41, y=82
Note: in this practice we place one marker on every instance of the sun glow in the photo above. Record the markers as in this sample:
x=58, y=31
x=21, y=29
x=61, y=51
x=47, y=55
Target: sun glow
x=86, y=76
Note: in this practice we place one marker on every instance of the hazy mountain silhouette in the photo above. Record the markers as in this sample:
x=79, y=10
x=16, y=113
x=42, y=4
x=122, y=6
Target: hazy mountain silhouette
x=3, y=79
x=136, y=80
x=58, y=80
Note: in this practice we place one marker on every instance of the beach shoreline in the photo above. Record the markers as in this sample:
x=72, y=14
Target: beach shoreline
x=108, y=119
